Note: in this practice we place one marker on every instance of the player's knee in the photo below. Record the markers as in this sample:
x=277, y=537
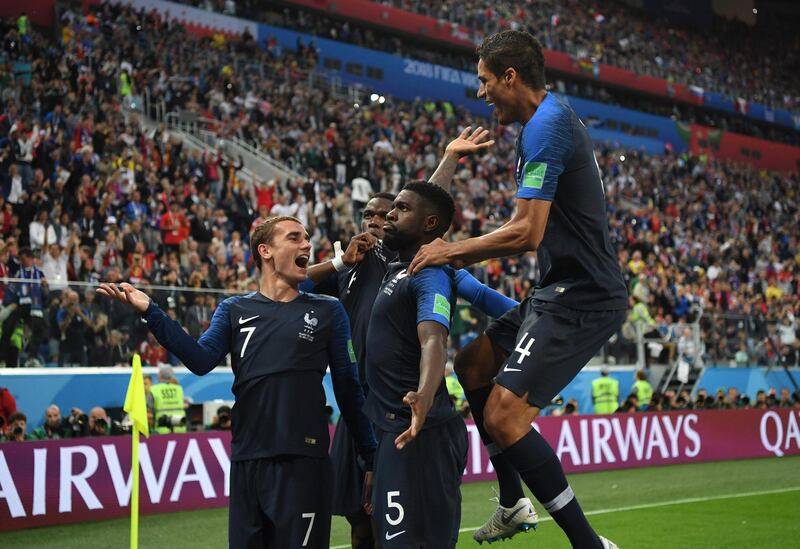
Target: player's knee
x=476, y=364
x=495, y=418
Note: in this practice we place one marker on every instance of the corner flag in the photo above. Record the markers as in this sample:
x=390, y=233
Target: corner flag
x=135, y=404
x=136, y=408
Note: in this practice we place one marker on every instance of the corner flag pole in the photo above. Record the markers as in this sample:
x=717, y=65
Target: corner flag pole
x=136, y=408
x=135, y=491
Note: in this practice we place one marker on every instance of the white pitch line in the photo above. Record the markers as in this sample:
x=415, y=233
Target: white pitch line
x=649, y=506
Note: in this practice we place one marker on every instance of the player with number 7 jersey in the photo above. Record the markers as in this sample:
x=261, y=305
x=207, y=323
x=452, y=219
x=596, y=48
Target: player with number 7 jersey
x=281, y=342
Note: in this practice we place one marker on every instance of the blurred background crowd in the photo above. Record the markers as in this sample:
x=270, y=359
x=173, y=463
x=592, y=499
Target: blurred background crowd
x=88, y=194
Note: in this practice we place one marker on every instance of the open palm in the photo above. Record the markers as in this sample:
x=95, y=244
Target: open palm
x=470, y=143
x=127, y=294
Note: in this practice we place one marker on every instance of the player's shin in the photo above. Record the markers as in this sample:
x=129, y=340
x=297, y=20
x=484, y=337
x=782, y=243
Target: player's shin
x=541, y=470
x=508, y=479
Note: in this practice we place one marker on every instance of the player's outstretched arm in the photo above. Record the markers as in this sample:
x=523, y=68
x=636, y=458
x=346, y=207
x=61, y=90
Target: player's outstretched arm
x=465, y=144
x=488, y=300
x=199, y=356
x=359, y=245
x=347, y=386
x=433, y=342
x=523, y=233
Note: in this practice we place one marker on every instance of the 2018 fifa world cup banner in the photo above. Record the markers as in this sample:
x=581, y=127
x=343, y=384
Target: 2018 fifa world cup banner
x=53, y=482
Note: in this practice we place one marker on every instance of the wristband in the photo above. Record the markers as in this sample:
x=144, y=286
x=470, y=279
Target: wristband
x=338, y=263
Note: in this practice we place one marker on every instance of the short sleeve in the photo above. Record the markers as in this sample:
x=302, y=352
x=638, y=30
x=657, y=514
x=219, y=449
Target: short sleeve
x=433, y=290
x=546, y=143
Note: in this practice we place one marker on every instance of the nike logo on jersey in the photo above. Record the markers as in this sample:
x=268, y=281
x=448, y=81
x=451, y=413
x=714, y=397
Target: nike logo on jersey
x=507, y=369
x=246, y=320
x=352, y=279
x=392, y=536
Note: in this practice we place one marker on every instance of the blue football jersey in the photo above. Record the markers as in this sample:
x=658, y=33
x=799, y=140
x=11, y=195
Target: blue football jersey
x=556, y=162
x=393, y=349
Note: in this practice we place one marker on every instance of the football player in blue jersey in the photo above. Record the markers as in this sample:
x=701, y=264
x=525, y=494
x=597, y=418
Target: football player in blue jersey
x=281, y=341
x=355, y=278
x=422, y=442
x=536, y=349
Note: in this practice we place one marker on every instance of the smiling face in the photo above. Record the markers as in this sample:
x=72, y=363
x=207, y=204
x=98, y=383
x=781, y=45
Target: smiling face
x=497, y=90
x=287, y=252
x=407, y=221
x=374, y=216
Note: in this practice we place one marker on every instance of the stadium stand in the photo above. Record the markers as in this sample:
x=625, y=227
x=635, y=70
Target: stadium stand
x=693, y=234
x=346, y=30
x=748, y=62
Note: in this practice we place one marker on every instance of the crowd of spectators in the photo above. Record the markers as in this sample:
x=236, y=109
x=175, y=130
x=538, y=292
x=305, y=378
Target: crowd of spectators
x=671, y=400
x=728, y=57
x=321, y=25
x=89, y=195
x=16, y=427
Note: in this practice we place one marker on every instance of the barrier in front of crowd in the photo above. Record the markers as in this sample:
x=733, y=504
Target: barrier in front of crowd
x=64, y=481
x=36, y=388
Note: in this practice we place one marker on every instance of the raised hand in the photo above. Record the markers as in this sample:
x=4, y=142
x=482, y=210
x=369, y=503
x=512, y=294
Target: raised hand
x=127, y=294
x=358, y=247
x=470, y=143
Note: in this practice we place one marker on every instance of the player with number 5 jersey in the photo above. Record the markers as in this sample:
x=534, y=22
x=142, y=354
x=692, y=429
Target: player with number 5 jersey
x=422, y=441
x=281, y=342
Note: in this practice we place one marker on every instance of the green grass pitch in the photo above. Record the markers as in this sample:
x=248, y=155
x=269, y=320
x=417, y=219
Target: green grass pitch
x=752, y=503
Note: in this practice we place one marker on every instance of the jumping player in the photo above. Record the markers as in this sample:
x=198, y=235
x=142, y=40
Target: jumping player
x=281, y=341
x=536, y=349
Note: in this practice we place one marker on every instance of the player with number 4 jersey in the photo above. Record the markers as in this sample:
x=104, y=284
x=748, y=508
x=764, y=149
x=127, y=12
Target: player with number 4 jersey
x=531, y=353
x=281, y=342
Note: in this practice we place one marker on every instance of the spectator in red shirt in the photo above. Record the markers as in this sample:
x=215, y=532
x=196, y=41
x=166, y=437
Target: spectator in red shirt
x=174, y=227
x=152, y=352
x=8, y=405
x=265, y=194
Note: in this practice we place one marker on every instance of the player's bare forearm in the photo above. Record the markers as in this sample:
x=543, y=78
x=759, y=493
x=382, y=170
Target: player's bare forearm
x=433, y=342
x=523, y=233
x=510, y=239
x=465, y=144
x=320, y=271
x=443, y=176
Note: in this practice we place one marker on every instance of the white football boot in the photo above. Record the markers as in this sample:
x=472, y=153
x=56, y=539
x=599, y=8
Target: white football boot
x=507, y=521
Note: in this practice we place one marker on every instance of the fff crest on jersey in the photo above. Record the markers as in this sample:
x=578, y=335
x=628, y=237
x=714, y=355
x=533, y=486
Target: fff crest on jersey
x=309, y=325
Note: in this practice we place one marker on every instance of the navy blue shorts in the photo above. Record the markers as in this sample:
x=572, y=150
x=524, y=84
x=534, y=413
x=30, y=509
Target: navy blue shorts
x=547, y=345
x=417, y=494
x=348, y=473
x=282, y=502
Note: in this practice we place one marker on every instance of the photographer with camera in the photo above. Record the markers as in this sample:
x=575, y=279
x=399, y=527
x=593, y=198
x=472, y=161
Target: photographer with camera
x=221, y=421
x=99, y=424
x=170, y=416
x=54, y=428
x=17, y=426
x=76, y=424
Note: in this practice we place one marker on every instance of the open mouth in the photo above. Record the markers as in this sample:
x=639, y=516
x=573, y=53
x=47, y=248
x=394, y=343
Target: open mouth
x=301, y=261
